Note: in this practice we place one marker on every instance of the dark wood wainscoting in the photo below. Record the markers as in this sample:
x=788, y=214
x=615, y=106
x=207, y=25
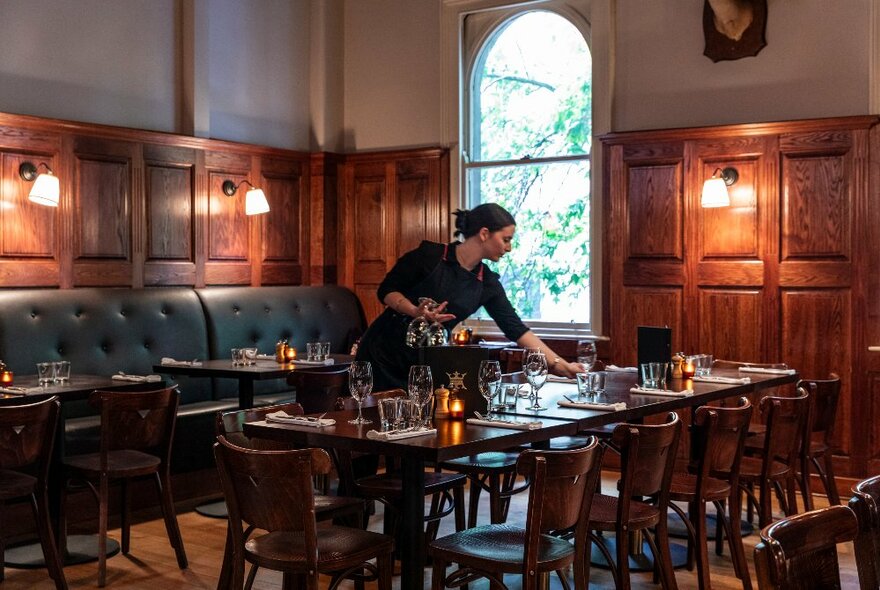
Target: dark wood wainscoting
x=787, y=273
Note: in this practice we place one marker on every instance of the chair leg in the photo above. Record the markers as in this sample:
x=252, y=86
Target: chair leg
x=474, y=501
x=803, y=478
x=163, y=483
x=458, y=498
x=826, y=472
x=40, y=507
x=125, y=511
x=622, y=559
x=103, y=518
x=698, y=510
x=734, y=537
x=667, y=574
x=496, y=515
x=385, y=565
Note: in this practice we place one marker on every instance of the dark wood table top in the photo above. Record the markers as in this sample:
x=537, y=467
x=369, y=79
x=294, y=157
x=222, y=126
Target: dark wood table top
x=79, y=387
x=263, y=369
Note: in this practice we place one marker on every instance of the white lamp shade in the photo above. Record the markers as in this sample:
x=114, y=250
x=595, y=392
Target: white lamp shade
x=715, y=193
x=46, y=190
x=255, y=202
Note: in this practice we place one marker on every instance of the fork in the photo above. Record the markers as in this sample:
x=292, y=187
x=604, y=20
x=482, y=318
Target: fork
x=313, y=419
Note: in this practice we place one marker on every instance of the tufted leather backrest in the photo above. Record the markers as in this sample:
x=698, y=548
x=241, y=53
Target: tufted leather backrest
x=247, y=316
x=102, y=331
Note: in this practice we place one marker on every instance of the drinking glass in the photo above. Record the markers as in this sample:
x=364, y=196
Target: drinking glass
x=586, y=353
x=422, y=332
x=62, y=371
x=324, y=351
x=360, y=384
x=250, y=355
x=421, y=390
x=45, y=373
x=597, y=382
x=237, y=357
x=488, y=382
x=654, y=375
x=388, y=413
x=312, y=351
x=535, y=368
x=583, y=384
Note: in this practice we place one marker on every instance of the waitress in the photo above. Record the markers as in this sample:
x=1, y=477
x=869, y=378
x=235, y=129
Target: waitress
x=454, y=275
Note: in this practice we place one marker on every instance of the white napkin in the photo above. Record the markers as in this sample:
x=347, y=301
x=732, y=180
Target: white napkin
x=719, y=379
x=662, y=392
x=558, y=379
x=17, y=390
x=324, y=362
x=265, y=357
x=621, y=369
x=285, y=418
x=767, y=370
x=604, y=407
x=137, y=378
x=502, y=423
x=397, y=435
x=170, y=361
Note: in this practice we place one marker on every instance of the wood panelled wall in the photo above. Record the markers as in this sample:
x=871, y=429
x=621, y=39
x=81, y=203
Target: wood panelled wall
x=787, y=273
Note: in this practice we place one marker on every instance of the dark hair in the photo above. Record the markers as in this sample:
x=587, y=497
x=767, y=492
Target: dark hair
x=489, y=215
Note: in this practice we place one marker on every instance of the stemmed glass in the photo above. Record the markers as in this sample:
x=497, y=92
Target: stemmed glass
x=489, y=381
x=586, y=353
x=422, y=332
x=360, y=384
x=421, y=389
x=535, y=368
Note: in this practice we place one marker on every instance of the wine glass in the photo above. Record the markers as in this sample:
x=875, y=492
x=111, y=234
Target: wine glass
x=535, y=368
x=360, y=384
x=586, y=353
x=488, y=382
x=421, y=390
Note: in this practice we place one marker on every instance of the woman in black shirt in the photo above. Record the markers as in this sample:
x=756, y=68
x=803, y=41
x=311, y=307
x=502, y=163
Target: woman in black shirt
x=453, y=275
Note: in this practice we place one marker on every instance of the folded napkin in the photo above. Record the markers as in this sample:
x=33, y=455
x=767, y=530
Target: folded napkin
x=324, y=362
x=662, y=392
x=265, y=357
x=170, y=361
x=399, y=434
x=137, y=378
x=604, y=407
x=767, y=370
x=504, y=423
x=621, y=369
x=15, y=390
x=719, y=379
x=558, y=379
x=285, y=418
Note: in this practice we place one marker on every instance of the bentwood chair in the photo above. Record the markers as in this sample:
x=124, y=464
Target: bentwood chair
x=800, y=551
x=27, y=433
x=272, y=491
x=717, y=440
x=230, y=425
x=445, y=489
x=775, y=469
x=318, y=389
x=865, y=503
x=561, y=486
x=817, y=446
x=647, y=458
x=137, y=429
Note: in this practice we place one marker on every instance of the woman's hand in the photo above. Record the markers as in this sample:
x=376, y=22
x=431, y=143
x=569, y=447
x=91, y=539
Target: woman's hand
x=434, y=312
x=563, y=368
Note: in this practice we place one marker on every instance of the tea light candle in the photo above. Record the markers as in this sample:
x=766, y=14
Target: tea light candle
x=290, y=353
x=5, y=377
x=456, y=408
x=461, y=337
x=688, y=370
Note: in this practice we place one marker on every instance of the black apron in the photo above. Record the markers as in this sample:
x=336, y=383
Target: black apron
x=384, y=345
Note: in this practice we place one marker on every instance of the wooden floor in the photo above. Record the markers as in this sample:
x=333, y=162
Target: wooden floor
x=152, y=566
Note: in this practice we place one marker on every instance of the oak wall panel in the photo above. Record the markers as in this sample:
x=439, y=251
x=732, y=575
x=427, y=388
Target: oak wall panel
x=732, y=232
x=731, y=323
x=27, y=230
x=170, y=207
x=655, y=211
x=645, y=306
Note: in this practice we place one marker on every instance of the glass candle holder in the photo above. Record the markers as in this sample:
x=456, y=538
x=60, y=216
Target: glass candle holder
x=290, y=353
x=5, y=377
x=688, y=369
x=456, y=408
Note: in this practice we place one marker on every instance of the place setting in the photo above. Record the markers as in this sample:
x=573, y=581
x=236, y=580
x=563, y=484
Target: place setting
x=399, y=417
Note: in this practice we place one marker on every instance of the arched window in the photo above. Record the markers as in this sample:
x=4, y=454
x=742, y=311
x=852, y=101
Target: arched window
x=527, y=137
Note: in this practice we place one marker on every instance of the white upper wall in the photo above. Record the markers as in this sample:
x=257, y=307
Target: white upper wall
x=101, y=61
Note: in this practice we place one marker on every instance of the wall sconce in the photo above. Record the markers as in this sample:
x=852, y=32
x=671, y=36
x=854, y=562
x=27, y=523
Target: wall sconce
x=46, y=189
x=715, y=189
x=255, y=201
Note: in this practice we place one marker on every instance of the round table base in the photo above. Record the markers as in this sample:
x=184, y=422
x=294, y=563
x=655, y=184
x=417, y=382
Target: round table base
x=213, y=509
x=641, y=562
x=677, y=529
x=80, y=549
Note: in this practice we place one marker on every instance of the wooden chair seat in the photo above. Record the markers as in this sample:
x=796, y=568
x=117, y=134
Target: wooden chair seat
x=14, y=484
x=490, y=462
x=684, y=485
x=751, y=468
x=603, y=514
x=339, y=548
x=500, y=547
x=123, y=463
x=390, y=486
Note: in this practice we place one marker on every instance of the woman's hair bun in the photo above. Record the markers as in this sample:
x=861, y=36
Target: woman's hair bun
x=461, y=217
x=489, y=215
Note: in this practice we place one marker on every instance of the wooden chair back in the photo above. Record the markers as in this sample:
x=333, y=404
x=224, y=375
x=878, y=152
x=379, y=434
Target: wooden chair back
x=27, y=433
x=137, y=420
x=231, y=425
x=785, y=418
x=824, y=395
x=317, y=390
x=516, y=377
x=721, y=432
x=800, y=551
x=865, y=503
x=647, y=458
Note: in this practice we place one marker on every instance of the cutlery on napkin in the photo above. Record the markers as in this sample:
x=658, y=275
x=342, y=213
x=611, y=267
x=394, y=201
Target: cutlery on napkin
x=501, y=423
x=265, y=357
x=621, y=369
x=558, y=379
x=585, y=405
x=662, y=392
x=285, y=418
x=398, y=434
x=301, y=362
x=170, y=361
x=120, y=376
x=718, y=379
x=767, y=370
x=14, y=390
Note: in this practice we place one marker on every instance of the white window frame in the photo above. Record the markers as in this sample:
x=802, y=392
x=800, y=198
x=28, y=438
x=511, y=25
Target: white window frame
x=594, y=19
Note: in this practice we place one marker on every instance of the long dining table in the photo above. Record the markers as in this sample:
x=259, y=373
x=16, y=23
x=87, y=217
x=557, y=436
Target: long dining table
x=458, y=438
